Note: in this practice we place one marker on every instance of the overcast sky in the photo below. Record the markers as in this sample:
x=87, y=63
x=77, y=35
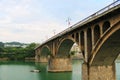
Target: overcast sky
x=36, y=20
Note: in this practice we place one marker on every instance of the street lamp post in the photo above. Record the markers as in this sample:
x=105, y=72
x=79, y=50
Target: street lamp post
x=54, y=31
x=68, y=21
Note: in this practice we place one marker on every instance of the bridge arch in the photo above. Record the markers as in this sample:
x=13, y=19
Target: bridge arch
x=108, y=47
x=105, y=26
x=45, y=51
x=65, y=47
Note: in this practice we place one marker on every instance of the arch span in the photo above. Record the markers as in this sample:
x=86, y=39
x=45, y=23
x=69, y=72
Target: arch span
x=65, y=47
x=108, y=47
x=45, y=51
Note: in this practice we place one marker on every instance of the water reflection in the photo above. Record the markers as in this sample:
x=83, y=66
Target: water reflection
x=52, y=76
x=76, y=74
x=21, y=71
x=118, y=69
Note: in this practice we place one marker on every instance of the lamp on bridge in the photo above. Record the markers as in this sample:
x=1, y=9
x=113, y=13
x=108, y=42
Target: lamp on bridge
x=68, y=21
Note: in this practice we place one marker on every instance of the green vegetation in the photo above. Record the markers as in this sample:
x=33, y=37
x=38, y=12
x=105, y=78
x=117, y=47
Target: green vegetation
x=1, y=44
x=17, y=53
x=14, y=43
x=72, y=53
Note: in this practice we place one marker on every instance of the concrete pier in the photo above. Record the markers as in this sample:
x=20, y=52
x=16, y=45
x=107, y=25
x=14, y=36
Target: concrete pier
x=105, y=72
x=43, y=59
x=59, y=65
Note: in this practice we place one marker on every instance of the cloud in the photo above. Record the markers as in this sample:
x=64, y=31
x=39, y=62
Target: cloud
x=37, y=20
x=20, y=22
x=15, y=9
x=29, y=32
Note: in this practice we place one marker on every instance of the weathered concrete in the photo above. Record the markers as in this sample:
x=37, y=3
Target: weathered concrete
x=84, y=71
x=102, y=73
x=106, y=72
x=43, y=59
x=37, y=57
x=59, y=65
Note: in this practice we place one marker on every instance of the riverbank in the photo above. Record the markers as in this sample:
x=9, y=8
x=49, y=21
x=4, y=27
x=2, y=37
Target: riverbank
x=30, y=59
x=26, y=59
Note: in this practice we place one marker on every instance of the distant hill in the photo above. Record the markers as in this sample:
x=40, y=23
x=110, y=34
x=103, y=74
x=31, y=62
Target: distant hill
x=14, y=43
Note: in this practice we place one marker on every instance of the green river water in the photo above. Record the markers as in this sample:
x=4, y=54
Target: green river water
x=21, y=71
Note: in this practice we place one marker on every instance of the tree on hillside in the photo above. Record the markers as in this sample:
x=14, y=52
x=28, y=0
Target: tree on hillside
x=18, y=53
x=30, y=50
x=1, y=44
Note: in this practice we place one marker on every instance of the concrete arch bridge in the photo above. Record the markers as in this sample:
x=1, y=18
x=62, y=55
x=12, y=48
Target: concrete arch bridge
x=98, y=37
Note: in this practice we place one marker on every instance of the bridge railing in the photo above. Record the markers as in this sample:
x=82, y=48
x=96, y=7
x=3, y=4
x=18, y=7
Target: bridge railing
x=98, y=12
x=91, y=16
x=108, y=7
x=85, y=20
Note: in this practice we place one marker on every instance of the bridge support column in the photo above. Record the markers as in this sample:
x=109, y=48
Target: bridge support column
x=59, y=65
x=43, y=59
x=37, y=58
x=85, y=71
x=105, y=72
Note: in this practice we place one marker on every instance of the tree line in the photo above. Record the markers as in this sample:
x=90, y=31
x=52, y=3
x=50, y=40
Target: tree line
x=17, y=53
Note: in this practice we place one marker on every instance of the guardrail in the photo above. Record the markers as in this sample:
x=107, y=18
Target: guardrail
x=95, y=14
x=116, y=3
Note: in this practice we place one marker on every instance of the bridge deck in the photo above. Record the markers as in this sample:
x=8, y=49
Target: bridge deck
x=108, y=9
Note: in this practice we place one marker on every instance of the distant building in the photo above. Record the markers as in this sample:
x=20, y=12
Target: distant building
x=16, y=45
x=9, y=45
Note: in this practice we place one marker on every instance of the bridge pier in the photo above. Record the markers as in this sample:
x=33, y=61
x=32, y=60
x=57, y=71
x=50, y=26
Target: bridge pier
x=104, y=72
x=59, y=65
x=43, y=59
x=37, y=58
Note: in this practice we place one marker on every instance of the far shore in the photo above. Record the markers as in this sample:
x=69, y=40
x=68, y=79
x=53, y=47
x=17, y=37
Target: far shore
x=26, y=59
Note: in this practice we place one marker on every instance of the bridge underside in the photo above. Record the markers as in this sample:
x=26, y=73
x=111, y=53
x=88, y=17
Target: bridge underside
x=98, y=39
x=64, y=48
x=110, y=48
x=102, y=66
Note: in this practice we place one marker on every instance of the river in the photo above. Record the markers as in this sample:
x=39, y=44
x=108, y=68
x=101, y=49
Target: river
x=21, y=71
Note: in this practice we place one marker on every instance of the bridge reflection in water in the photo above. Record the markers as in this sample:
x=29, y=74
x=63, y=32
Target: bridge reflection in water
x=98, y=37
x=14, y=71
